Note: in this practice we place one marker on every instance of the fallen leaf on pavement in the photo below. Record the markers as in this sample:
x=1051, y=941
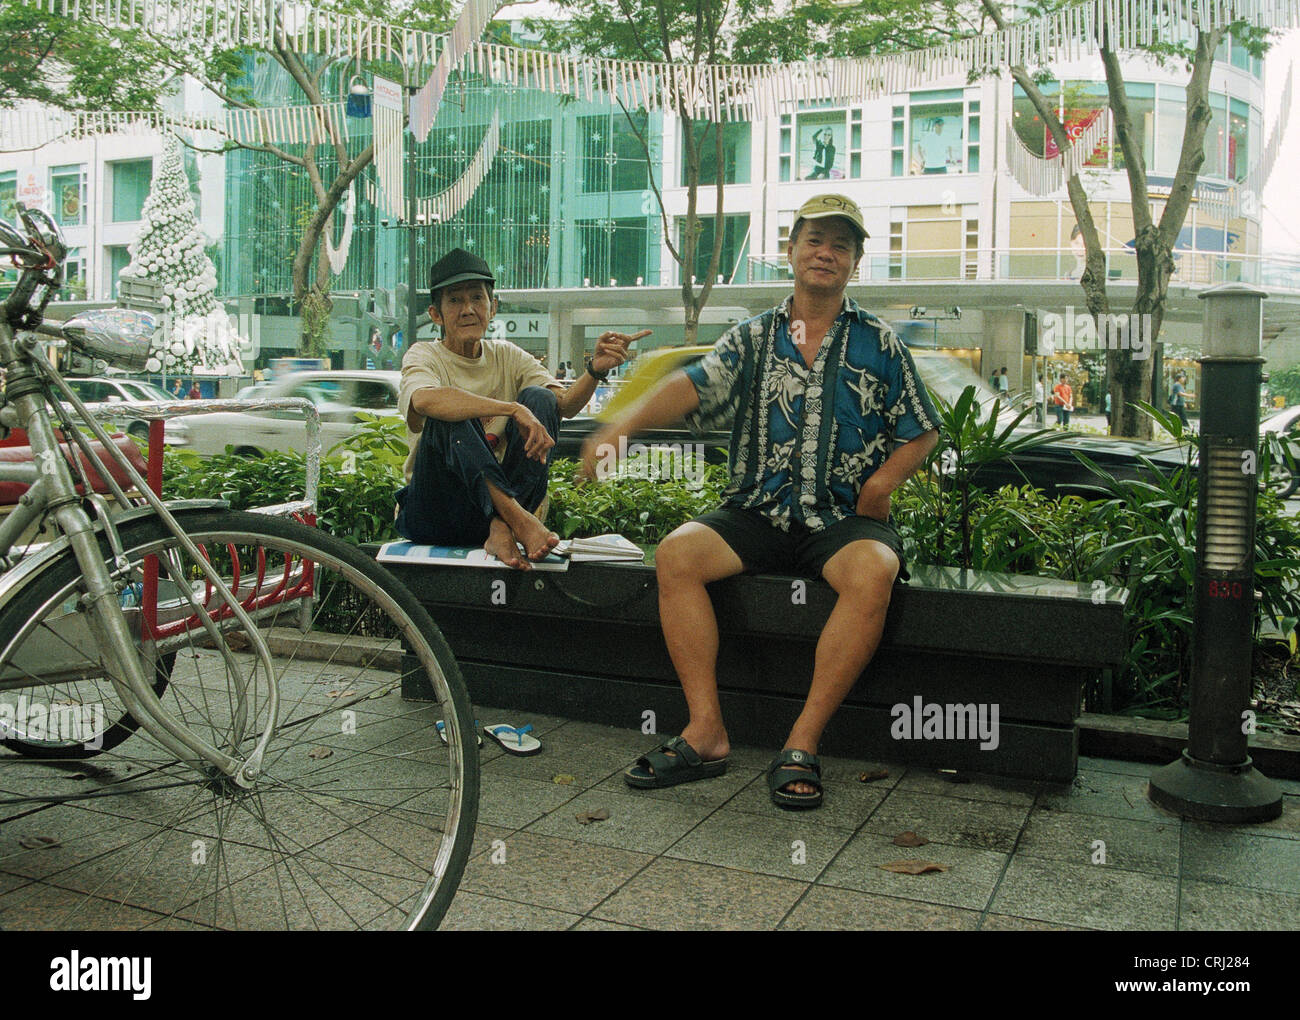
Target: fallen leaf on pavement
x=912, y=867
x=564, y=780
x=587, y=817
x=871, y=775
x=320, y=752
x=909, y=838
x=340, y=694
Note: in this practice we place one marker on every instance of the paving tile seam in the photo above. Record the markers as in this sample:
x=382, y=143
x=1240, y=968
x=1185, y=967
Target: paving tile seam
x=1006, y=864
x=1178, y=892
x=816, y=881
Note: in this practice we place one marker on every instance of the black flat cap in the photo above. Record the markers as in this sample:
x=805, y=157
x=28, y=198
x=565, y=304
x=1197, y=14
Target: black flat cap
x=457, y=266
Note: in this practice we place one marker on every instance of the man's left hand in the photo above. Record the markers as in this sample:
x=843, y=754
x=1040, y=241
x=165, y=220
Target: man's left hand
x=873, y=501
x=611, y=349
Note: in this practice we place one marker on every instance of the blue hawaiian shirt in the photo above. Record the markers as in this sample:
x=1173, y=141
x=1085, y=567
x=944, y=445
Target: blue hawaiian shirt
x=804, y=440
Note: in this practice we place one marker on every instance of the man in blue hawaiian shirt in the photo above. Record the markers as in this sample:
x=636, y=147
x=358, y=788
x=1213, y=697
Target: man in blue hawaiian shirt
x=828, y=418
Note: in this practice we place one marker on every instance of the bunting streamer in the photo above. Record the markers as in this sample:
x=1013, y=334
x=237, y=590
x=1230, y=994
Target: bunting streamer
x=25, y=129
x=442, y=207
x=474, y=17
x=388, y=146
x=338, y=257
x=1041, y=175
x=750, y=91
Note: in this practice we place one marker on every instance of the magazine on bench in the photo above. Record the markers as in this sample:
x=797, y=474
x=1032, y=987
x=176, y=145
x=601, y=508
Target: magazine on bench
x=454, y=556
x=609, y=548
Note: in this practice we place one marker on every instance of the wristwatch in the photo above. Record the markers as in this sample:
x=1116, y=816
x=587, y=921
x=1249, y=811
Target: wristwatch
x=598, y=376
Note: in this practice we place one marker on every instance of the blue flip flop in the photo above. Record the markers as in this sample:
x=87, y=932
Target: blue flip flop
x=514, y=739
x=442, y=732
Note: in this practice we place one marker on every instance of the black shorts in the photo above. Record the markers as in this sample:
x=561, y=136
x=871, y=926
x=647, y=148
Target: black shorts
x=765, y=549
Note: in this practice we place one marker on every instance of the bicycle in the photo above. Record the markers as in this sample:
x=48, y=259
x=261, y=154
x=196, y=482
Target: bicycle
x=200, y=714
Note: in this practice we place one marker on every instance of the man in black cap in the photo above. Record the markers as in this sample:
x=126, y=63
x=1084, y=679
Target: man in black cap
x=828, y=417
x=481, y=418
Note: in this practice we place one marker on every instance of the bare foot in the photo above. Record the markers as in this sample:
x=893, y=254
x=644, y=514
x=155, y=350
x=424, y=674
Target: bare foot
x=501, y=544
x=534, y=536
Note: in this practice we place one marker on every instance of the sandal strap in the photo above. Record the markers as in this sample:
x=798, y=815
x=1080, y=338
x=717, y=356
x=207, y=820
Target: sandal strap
x=659, y=761
x=518, y=731
x=793, y=756
x=784, y=777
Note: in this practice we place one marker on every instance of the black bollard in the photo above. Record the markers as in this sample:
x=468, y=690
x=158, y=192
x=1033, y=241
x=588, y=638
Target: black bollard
x=1214, y=779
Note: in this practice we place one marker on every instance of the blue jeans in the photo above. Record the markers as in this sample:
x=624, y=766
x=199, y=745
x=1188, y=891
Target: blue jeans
x=447, y=501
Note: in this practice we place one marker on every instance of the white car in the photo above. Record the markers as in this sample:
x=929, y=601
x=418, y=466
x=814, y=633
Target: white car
x=340, y=397
x=112, y=390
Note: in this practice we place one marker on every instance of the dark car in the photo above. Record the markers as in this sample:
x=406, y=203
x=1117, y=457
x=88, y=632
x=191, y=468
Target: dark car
x=1052, y=467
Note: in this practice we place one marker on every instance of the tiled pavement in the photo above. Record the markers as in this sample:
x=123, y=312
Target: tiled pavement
x=718, y=854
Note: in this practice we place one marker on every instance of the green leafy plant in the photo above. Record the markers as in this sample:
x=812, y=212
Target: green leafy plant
x=642, y=507
x=970, y=439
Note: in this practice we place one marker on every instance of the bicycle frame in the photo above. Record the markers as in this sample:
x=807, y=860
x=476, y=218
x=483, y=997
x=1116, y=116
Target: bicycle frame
x=53, y=492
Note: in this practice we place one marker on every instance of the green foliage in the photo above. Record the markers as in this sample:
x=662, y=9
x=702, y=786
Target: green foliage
x=1286, y=384
x=73, y=64
x=970, y=438
x=1139, y=535
x=358, y=482
x=641, y=507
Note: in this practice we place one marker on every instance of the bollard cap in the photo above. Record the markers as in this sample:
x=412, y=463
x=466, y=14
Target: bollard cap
x=1233, y=321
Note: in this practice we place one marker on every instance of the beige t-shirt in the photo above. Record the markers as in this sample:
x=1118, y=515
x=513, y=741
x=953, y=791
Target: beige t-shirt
x=500, y=372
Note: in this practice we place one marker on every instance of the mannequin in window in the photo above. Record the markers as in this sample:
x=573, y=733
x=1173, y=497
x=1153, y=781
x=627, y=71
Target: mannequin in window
x=823, y=154
x=935, y=148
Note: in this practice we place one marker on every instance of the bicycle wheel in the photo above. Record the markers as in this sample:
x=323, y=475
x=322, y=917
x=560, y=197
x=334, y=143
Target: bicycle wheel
x=360, y=816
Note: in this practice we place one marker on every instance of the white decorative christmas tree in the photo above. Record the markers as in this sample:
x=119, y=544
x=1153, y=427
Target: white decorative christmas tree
x=169, y=250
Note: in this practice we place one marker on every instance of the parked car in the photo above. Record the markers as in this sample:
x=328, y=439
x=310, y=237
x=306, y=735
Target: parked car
x=114, y=390
x=1053, y=467
x=1283, y=478
x=340, y=397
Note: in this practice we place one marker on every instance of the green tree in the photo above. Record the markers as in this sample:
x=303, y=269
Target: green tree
x=680, y=31
x=1129, y=378
x=329, y=165
x=75, y=64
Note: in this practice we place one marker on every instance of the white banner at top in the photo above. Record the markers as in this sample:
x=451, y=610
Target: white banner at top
x=297, y=25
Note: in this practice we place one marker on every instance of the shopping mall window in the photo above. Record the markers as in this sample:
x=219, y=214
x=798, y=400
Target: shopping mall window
x=736, y=137
x=130, y=184
x=614, y=158
x=1239, y=154
x=1142, y=122
x=1082, y=105
x=1216, y=138
x=68, y=191
x=820, y=144
x=74, y=276
x=118, y=259
x=1031, y=129
x=936, y=129
x=735, y=246
x=1171, y=121
x=1078, y=106
x=612, y=252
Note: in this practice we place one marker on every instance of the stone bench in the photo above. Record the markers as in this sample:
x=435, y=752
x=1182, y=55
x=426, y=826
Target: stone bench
x=586, y=644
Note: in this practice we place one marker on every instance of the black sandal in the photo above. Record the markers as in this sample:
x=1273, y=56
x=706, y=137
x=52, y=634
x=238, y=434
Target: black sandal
x=684, y=765
x=779, y=774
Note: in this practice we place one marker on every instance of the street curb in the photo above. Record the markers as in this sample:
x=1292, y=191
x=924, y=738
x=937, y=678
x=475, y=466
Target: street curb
x=345, y=649
x=1276, y=755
